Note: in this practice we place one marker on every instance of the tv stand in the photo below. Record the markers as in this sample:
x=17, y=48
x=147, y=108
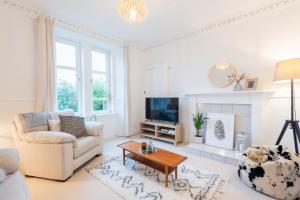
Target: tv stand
x=168, y=132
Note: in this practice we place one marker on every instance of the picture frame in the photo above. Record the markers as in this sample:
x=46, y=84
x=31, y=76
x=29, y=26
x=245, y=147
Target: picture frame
x=251, y=84
x=220, y=130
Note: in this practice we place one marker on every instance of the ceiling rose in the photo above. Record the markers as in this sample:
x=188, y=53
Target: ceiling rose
x=133, y=10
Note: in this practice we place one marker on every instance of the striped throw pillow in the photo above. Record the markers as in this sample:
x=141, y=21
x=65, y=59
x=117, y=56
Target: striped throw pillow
x=73, y=125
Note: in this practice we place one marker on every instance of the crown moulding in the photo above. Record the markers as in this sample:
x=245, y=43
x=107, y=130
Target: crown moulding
x=34, y=13
x=278, y=4
x=231, y=20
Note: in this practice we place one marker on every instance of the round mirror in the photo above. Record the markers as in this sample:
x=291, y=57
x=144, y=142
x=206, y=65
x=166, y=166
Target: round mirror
x=222, y=74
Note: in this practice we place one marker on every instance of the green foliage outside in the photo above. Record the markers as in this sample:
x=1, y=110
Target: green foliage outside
x=67, y=96
x=99, y=96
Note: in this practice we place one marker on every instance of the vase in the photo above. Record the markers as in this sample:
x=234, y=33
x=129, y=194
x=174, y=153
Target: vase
x=240, y=145
x=238, y=87
x=198, y=139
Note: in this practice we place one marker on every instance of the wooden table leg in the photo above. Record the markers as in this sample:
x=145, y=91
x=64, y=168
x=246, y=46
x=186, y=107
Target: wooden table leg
x=176, y=173
x=123, y=156
x=166, y=175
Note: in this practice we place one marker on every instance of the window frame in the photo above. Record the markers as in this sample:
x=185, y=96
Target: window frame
x=108, y=74
x=77, y=69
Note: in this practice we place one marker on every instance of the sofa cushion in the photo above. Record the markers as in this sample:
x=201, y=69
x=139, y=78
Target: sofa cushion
x=73, y=125
x=14, y=188
x=9, y=160
x=93, y=128
x=84, y=144
x=54, y=125
x=28, y=122
x=2, y=175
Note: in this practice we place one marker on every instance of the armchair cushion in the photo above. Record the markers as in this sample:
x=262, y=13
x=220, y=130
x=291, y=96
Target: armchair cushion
x=73, y=125
x=49, y=137
x=93, y=128
x=85, y=144
x=54, y=125
x=9, y=160
x=28, y=122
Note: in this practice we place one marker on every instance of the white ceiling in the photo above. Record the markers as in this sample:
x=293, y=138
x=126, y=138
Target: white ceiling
x=167, y=19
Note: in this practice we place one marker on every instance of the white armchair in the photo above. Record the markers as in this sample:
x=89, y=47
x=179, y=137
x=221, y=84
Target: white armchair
x=54, y=155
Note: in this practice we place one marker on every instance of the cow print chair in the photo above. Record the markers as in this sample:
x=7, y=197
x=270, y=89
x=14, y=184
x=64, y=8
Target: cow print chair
x=272, y=170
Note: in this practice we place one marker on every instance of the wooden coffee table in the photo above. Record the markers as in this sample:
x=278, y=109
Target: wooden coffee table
x=161, y=160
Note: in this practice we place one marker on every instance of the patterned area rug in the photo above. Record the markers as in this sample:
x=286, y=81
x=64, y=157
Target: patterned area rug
x=137, y=182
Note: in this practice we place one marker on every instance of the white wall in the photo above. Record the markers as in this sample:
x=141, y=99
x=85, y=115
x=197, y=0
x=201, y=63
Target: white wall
x=17, y=66
x=254, y=46
x=135, y=89
x=111, y=127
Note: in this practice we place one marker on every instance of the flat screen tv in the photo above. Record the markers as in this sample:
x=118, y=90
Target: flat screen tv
x=162, y=109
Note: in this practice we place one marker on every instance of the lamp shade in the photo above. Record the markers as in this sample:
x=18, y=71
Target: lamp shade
x=287, y=70
x=133, y=10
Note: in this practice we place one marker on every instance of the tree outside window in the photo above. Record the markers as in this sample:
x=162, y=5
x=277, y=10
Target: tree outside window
x=100, y=82
x=66, y=76
x=66, y=96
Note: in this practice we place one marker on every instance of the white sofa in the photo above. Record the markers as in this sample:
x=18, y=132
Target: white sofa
x=14, y=186
x=55, y=155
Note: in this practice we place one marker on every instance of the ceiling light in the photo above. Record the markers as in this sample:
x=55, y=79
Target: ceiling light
x=133, y=10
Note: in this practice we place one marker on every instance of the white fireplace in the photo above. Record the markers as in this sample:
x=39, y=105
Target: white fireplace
x=242, y=117
x=249, y=108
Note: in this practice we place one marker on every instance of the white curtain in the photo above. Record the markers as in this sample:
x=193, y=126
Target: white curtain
x=45, y=84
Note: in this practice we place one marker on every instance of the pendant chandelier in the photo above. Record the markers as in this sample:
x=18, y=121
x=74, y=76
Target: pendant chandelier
x=133, y=10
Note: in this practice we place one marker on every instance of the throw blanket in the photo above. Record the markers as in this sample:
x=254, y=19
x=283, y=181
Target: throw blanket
x=36, y=119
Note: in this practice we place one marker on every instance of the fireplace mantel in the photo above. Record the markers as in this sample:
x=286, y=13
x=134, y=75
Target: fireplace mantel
x=220, y=93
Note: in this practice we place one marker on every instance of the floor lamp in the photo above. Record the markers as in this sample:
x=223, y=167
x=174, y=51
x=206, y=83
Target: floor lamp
x=289, y=70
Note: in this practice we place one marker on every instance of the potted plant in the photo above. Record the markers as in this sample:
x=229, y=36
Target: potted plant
x=199, y=120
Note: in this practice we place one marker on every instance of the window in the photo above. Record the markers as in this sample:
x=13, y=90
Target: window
x=67, y=76
x=101, y=81
x=75, y=71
